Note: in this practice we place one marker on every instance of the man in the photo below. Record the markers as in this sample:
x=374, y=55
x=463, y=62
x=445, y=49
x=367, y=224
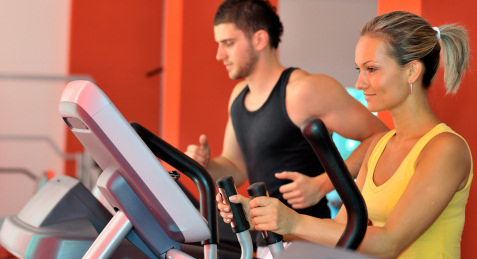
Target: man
x=263, y=141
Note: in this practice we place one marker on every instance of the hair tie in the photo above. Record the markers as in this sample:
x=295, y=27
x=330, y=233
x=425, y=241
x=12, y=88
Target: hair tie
x=438, y=32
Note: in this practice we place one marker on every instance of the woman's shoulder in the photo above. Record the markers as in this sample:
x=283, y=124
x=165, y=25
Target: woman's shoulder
x=448, y=144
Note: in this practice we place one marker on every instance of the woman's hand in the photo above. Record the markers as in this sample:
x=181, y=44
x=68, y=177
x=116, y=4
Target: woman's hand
x=272, y=215
x=226, y=212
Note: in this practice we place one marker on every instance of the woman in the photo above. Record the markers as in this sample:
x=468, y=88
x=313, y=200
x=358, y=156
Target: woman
x=416, y=178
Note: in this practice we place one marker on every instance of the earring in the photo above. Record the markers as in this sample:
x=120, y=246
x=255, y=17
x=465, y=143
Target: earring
x=410, y=88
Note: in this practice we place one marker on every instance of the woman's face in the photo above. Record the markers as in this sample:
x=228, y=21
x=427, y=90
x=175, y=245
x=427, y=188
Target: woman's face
x=383, y=82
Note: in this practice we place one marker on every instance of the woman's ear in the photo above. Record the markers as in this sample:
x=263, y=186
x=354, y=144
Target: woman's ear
x=260, y=40
x=414, y=70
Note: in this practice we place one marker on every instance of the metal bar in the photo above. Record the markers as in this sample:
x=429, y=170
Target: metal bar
x=24, y=171
x=48, y=140
x=110, y=238
x=45, y=77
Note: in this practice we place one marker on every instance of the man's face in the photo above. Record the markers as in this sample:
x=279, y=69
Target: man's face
x=235, y=50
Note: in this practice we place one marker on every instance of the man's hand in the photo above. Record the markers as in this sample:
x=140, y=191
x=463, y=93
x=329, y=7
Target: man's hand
x=201, y=154
x=303, y=191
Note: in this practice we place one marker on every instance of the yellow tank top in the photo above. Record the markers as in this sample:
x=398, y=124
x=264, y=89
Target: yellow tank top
x=442, y=239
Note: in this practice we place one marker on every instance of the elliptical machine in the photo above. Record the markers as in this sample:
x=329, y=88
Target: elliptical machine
x=317, y=135
x=151, y=212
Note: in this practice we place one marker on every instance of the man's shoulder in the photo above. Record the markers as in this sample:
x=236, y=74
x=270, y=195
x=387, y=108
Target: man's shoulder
x=238, y=88
x=301, y=80
x=236, y=91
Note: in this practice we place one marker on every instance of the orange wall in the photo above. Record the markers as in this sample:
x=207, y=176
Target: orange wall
x=118, y=44
x=456, y=111
x=196, y=87
x=413, y=6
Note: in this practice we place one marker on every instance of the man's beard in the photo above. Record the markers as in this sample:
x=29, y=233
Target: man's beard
x=245, y=70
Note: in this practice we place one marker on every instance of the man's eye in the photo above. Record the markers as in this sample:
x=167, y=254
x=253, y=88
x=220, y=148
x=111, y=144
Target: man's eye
x=371, y=69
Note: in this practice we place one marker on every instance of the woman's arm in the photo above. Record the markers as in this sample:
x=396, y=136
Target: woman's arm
x=441, y=170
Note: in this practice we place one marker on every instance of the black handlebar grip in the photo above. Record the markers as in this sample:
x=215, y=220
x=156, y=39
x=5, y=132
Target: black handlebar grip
x=256, y=190
x=227, y=188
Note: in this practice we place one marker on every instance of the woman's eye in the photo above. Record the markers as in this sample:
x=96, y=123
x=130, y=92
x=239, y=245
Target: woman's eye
x=371, y=69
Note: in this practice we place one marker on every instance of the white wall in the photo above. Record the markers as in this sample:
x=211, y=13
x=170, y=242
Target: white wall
x=34, y=39
x=320, y=35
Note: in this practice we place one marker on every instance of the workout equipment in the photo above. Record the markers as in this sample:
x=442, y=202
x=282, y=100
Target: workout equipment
x=317, y=135
x=239, y=222
x=193, y=170
x=133, y=181
x=151, y=211
x=273, y=240
x=60, y=221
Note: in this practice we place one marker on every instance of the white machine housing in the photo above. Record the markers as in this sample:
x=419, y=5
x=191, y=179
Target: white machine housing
x=121, y=153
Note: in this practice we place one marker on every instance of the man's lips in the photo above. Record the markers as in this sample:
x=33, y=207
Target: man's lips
x=228, y=66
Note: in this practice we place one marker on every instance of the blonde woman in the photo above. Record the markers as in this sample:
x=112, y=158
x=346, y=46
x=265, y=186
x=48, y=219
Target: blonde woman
x=416, y=178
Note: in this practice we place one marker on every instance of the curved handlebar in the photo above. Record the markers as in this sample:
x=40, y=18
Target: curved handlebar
x=189, y=167
x=239, y=224
x=317, y=135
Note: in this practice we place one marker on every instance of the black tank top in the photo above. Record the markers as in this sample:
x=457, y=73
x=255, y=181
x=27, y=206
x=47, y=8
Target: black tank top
x=271, y=143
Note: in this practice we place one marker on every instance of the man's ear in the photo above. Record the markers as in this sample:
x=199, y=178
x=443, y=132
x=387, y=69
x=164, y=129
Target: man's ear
x=260, y=40
x=415, y=69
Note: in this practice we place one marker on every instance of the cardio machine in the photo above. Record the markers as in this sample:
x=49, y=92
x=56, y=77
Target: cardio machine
x=150, y=210
x=317, y=135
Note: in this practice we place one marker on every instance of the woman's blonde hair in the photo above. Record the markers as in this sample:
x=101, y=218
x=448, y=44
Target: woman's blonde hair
x=410, y=37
